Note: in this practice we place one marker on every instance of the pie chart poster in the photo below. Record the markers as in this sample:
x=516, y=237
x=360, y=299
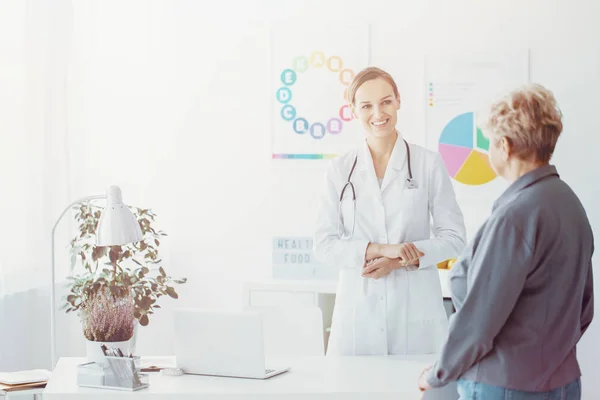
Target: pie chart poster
x=311, y=68
x=459, y=90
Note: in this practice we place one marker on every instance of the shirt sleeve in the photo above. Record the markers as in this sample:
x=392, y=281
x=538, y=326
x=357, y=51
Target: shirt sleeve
x=495, y=279
x=328, y=247
x=587, y=307
x=448, y=223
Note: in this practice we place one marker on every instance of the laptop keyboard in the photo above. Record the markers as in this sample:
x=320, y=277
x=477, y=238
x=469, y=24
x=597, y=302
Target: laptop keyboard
x=268, y=371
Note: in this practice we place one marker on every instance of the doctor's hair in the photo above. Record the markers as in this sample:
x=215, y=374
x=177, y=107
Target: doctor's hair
x=369, y=74
x=530, y=120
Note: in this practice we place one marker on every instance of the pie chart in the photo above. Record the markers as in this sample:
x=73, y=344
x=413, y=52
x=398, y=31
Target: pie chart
x=464, y=151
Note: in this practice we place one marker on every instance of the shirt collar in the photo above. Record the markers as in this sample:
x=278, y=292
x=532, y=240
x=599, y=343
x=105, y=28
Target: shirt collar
x=525, y=181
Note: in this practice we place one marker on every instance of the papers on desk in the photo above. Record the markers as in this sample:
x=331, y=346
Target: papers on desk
x=150, y=364
x=23, y=380
x=23, y=377
x=25, y=386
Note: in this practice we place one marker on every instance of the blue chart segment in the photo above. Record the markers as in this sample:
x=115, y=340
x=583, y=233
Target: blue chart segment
x=459, y=131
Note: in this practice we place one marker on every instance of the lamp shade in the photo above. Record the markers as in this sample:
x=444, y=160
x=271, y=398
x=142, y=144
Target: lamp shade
x=117, y=225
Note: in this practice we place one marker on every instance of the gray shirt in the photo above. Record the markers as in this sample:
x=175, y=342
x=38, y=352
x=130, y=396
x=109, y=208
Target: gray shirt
x=523, y=291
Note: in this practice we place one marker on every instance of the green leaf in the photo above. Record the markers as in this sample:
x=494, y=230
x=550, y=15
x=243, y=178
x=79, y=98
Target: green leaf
x=171, y=292
x=144, y=320
x=145, y=270
x=146, y=303
x=113, y=254
x=162, y=272
x=98, y=252
x=157, y=306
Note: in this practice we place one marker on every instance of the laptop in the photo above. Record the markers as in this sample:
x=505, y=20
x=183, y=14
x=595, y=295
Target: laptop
x=221, y=343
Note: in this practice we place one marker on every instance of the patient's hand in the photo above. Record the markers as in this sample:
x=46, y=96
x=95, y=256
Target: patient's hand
x=422, y=381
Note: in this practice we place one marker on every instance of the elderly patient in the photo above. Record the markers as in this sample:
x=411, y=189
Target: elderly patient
x=523, y=289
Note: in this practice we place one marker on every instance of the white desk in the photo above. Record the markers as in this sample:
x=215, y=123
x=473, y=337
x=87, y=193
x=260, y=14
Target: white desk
x=314, y=378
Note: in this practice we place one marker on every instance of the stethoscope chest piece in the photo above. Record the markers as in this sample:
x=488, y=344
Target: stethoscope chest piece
x=411, y=184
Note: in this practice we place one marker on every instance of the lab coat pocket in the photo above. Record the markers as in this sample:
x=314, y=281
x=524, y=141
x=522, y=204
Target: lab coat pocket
x=425, y=295
x=427, y=321
x=426, y=337
x=417, y=197
x=406, y=203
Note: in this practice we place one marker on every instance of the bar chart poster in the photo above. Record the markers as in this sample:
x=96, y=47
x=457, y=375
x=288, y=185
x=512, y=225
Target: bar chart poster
x=311, y=68
x=459, y=90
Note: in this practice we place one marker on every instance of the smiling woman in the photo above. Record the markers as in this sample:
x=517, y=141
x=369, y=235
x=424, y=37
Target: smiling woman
x=374, y=224
x=375, y=101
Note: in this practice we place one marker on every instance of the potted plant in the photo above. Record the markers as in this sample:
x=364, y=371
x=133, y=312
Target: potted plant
x=115, y=287
x=108, y=319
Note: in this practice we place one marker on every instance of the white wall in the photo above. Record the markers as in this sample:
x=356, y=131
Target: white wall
x=170, y=100
x=33, y=164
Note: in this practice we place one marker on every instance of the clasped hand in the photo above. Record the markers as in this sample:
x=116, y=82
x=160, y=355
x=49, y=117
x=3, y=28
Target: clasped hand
x=405, y=255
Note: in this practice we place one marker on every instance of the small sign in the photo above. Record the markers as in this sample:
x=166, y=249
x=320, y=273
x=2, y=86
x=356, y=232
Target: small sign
x=293, y=258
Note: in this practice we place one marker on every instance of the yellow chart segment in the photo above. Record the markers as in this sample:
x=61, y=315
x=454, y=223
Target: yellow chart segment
x=476, y=170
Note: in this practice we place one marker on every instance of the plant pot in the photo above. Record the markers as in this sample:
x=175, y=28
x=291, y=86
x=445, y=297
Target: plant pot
x=94, y=349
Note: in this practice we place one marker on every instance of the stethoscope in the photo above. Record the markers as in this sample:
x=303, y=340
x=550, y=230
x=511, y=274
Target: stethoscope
x=410, y=183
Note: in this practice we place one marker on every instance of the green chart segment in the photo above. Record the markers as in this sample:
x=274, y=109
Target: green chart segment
x=464, y=148
x=482, y=142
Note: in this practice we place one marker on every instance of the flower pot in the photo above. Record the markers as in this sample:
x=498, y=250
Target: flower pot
x=94, y=349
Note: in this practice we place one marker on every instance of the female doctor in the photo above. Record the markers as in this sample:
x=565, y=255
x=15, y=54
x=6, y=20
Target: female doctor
x=374, y=224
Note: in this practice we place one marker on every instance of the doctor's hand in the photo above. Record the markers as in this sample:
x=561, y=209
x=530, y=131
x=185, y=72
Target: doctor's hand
x=422, y=381
x=379, y=268
x=406, y=252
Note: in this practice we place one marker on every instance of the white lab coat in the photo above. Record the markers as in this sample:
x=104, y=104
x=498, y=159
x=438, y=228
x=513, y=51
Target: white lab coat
x=402, y=313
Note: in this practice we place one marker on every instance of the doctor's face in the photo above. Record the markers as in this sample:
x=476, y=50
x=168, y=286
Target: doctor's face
x=376, y=106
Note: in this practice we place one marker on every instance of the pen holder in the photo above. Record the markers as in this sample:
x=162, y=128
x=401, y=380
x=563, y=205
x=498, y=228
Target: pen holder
x=121, y=373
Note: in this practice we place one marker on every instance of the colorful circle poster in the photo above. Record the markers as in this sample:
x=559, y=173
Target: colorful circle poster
x=311, y=69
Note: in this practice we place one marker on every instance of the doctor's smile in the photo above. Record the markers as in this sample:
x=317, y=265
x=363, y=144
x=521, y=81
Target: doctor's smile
x=380, y=124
